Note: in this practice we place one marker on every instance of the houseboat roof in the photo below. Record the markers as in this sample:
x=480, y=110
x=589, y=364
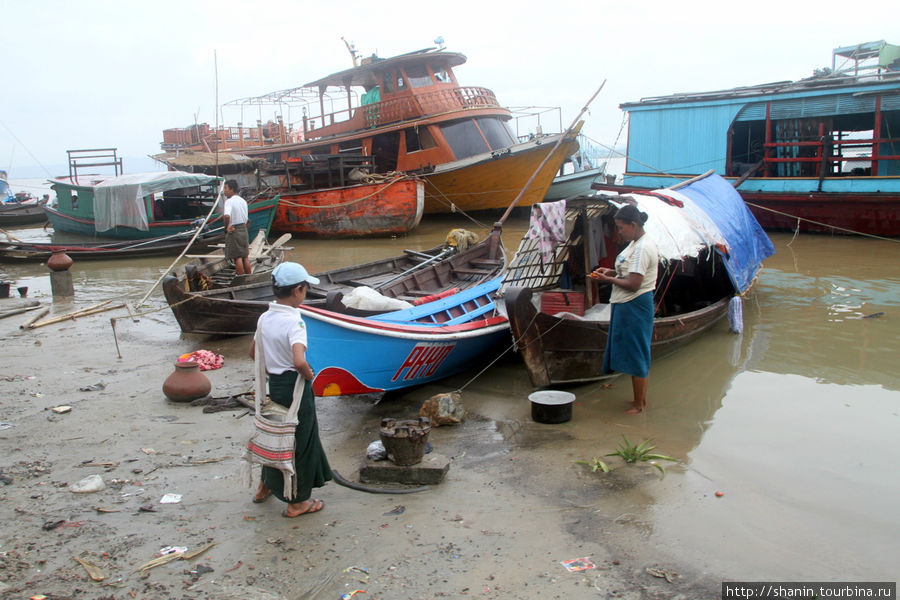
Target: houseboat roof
x=366, y=74
x=883, y=67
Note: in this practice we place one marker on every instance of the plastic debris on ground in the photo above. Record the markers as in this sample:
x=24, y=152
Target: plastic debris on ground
x=578, y=564
x=170, y=499
x=61, y=410
x=206, y=359
x=91, y=483
x=349, y=595
x=172, y=550
x=376, y=451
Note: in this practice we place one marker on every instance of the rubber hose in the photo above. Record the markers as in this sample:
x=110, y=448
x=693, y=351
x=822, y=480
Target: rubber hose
x=339, y=479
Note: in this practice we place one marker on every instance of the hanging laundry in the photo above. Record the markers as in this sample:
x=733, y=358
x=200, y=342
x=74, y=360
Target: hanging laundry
x=548, y=227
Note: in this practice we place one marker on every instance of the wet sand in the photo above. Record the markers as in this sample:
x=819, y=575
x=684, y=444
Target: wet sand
x=796, y=436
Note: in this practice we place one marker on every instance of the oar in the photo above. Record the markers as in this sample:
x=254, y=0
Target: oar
x=268, y=249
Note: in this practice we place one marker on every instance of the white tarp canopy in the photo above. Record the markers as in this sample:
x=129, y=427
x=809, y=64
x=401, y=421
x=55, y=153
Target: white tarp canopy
x=678, y=231
x=119, y=202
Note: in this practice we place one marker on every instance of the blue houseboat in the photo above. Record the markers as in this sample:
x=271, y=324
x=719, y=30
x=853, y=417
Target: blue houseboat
x=821, y=154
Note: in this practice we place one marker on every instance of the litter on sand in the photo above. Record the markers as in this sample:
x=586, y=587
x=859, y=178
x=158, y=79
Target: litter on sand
x=578, y=564
x=349, y=595
x=170, y=499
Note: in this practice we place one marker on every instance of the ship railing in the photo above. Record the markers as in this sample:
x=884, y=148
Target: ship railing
x=401, y=108
x=832, y=152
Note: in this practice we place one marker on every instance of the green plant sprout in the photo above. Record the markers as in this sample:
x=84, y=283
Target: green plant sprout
x=643, y=452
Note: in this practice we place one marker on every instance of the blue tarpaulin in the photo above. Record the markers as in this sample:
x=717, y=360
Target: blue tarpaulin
x=748, y=244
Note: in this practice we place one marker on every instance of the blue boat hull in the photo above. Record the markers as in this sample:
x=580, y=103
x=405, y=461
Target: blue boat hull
x=356, y=356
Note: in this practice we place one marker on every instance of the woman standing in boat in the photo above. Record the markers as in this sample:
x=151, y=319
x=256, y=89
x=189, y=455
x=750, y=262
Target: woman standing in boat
x=631, y=325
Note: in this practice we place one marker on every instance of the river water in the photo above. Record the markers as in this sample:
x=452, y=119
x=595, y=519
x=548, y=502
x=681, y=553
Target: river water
x=796, y=421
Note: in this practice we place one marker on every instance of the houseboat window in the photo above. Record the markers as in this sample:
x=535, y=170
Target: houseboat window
x=419, y=138
x=418, y=76
x=464, y=138
x=496, y=131
x=401, y=83
x=441, y=75
x=387, y=80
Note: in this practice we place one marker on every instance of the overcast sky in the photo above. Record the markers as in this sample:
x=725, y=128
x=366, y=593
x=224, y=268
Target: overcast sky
x=89, y=74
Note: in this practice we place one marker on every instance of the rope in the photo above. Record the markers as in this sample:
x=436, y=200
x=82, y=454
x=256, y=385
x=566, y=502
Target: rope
x=515, y=344
x=784, y=214
x=453, y=207
x=188, y=246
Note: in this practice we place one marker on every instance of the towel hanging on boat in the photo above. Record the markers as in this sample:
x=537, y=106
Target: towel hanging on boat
x=548, y=227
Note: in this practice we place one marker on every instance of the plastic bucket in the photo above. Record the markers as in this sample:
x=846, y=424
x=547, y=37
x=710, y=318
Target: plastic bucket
x=551, y=406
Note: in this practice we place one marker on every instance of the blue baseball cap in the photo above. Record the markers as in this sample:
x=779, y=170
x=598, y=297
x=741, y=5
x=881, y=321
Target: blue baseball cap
x=291, y=273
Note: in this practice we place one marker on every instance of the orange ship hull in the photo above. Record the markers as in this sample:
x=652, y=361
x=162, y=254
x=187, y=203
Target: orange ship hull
x=365, y=210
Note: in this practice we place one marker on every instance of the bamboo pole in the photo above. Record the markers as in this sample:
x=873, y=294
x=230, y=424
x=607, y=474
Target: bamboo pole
x=96, y=308
x=187, y=247
x=34, y=318
x=547, y=158
x=18, y=311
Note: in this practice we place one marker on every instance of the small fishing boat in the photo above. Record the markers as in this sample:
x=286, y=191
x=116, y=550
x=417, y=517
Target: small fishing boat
x=14, y=213
x=21, y=208
x=392, y=207
x=413, y=346
x=711, y=248
x=319, y=196
x=15, y=251
x=139, y=205
x=234, y=310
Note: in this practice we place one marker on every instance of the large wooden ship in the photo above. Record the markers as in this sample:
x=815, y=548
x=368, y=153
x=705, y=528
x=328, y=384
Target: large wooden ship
x=405, y=114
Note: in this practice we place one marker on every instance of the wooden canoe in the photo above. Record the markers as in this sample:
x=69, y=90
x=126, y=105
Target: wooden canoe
x=234, y=310
x=22, y=252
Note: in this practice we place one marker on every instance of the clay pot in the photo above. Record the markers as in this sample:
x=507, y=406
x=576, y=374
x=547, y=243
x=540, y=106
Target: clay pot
x=59, y=261
x=186, y=383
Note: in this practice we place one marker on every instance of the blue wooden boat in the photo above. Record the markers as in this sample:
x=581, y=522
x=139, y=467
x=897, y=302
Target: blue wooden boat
x=358, y=355
x=142, y=205
x=822, y=153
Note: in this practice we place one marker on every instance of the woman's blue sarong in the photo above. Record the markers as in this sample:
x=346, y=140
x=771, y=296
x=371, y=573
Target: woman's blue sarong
x=630, y=332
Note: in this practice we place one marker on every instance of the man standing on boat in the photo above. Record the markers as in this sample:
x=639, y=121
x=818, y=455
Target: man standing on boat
x=237, y=240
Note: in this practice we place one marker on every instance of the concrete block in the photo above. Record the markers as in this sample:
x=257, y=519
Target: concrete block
x=430, y=471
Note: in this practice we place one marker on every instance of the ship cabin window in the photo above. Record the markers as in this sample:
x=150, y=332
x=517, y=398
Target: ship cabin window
x=387, y=82
x=419, y=138
x=464, y=138
x=418, y=76
x=441, y=75
x=401, y=82
x=496, y=131
x=351, y=147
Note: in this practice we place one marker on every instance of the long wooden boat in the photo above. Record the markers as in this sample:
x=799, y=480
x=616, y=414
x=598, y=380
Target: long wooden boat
x=23, y=252
x=710, y=246
x=234, y=310
x=403, y=348
x=821, y=154
x=392, y=207
x=139, y=205
x=406, y=114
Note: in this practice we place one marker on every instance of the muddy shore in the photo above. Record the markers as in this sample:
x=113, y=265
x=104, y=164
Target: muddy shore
x=514, y=503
